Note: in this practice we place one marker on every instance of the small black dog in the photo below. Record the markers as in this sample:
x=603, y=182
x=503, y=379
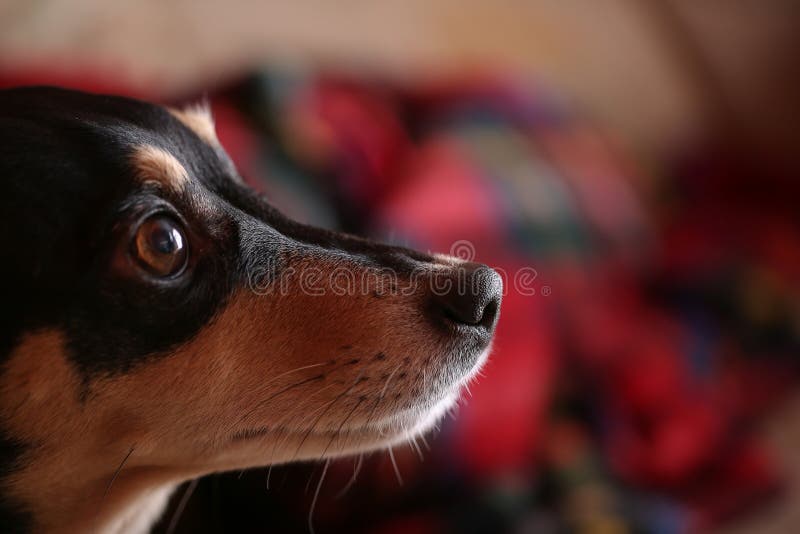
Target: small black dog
x=164, y=322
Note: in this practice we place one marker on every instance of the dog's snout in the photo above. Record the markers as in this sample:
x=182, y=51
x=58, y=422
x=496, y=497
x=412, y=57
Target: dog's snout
x=471, y=296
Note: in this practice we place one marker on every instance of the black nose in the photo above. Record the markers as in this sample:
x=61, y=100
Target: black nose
x=469, y=295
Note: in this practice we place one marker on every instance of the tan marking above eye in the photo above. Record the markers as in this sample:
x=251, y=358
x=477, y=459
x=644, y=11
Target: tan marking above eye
x=154, y=164
x=198, y=119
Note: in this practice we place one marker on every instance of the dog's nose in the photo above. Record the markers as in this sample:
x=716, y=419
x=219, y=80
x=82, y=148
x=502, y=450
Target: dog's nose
x=470, y=296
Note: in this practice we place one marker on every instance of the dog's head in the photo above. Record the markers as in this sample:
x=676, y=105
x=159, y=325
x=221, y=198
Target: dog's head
x=156, y=303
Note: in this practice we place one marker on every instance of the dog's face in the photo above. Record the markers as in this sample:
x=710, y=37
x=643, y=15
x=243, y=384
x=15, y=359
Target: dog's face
x=159, y=305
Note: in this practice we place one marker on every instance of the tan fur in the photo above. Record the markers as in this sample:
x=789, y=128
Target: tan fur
x=366, y=360
x=154, y=164
x=198, y=119
x=65, y=472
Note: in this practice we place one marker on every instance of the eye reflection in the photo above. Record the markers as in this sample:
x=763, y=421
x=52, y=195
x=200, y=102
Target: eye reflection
x=160, y=246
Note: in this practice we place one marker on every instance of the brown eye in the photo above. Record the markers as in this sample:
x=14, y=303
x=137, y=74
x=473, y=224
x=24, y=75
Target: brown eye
x=160, y=246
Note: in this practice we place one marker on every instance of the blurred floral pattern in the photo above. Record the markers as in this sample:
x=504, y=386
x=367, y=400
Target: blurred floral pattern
x=662, y=322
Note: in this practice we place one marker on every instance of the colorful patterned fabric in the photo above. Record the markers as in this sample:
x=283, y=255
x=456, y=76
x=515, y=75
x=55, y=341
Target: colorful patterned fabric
x=624, y=383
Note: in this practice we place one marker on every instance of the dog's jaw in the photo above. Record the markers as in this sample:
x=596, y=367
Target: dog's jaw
x=138, y=512
x=140, y=509
x=279, y=446
x=423, y=420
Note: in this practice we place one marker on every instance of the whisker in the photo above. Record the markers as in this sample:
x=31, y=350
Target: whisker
x=310, y=478
x=288, y=436
x=116, y=473
x=295, y=370
x=341, y=425
x=187, y=494
x=278, y=393
x=113, y=478
x=413, y=442
x=425, y=443
x=272, y=457
x=356, y=471
x=386, y=385
x=437, y=428
x=290, y=387
x=290, y=415
x=394, y=464
x=326, y=408
x=382, y=395
x=276, y=378
x=316, y=496
x=453, y=410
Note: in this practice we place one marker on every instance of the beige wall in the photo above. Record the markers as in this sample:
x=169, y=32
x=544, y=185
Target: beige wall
x=616, y=58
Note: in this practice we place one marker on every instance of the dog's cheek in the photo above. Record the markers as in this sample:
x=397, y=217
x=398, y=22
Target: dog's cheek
x=357, y=332
x=41, y=410
x=39, y=390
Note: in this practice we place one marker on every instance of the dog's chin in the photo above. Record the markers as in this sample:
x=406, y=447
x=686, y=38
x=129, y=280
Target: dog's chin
x=419, y=421
x=261, y=448
x=426, y=413
x=277, y=446
x=419, y=417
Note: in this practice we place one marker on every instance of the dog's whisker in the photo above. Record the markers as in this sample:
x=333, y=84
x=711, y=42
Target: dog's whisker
x=452, y=411
x=310, y=478
x=291, y=415
x=280, y=392
x=394, y=464
x=316, y=496
x=325, y=410
x=314, y=412
x=356, y=470
x=187, y=494
x=425, y=442
x=413, y=442
x=381, y=396
x=275, y=379
x=116, y=474
x=292, y=387
x=341, y=425
x=272, y=458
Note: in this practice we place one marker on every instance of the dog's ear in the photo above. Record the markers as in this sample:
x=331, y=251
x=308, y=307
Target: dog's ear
x=197, y=117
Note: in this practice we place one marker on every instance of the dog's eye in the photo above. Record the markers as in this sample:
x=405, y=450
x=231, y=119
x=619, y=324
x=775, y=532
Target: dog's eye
x=160, y=246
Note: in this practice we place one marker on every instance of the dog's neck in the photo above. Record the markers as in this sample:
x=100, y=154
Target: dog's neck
x=138, y=511
x=132, y=507
x=131, y=504
x=70, y=476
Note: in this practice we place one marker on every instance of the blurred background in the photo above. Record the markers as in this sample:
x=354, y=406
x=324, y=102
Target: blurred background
x=636, y=159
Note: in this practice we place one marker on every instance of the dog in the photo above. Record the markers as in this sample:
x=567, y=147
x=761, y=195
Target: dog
x=163, y=321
